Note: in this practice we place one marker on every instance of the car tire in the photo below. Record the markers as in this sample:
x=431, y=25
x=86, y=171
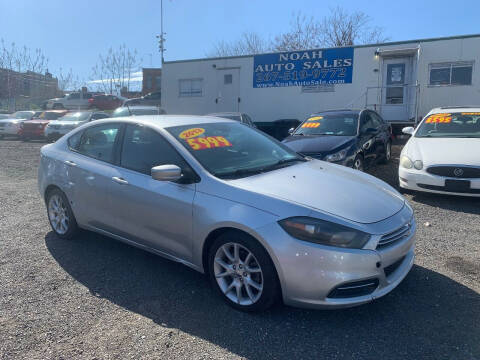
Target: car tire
x=358, y=163
x=60, y=215
x=242, y=272
x=387, y=155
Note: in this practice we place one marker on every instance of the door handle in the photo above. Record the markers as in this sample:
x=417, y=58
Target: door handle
x=70, y=163
x=120, y=180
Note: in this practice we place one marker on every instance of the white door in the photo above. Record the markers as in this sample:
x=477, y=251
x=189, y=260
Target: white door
x=397, y=74
x=228, y=90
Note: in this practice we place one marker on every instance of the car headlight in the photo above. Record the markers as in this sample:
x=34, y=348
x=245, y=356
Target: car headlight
x=406, y=162
x=418, y=164
x=324, y=232
x=338, y=156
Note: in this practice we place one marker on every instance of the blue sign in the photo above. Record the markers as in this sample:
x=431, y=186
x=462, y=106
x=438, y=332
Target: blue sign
x=303, y=68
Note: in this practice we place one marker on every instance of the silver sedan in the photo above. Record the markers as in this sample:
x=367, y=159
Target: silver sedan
x=262, y=221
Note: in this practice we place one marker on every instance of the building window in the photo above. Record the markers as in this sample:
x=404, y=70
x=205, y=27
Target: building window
x=454, y=73
x=227, y=78
x=158, y=82
x=190, y=87
x=149, y=82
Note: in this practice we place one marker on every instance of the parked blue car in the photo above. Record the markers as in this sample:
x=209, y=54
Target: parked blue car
x=354, y=138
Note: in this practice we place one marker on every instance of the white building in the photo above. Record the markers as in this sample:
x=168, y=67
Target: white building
x=401, y=80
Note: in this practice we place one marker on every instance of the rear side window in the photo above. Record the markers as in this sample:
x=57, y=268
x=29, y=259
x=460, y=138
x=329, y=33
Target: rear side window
x=144, y=148
x=98, y=142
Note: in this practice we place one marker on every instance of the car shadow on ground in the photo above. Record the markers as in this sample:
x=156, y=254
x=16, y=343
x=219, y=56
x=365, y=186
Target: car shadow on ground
x=456, y=203
x=428, y=316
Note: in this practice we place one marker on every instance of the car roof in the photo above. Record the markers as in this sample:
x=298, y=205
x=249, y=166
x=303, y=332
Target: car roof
x=464, y=108
x=145, y=107
x=165, y=121
x=225, y=113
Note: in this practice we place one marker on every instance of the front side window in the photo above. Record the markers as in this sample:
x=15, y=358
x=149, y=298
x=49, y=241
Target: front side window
x=98, y=142
x=232, y=150
x=339, y=124
x=144, y=148
x=454, y=73
x=74, y=96
x=190, y=87
x=456, y=125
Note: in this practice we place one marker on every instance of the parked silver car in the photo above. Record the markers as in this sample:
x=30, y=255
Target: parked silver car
x=223, y=198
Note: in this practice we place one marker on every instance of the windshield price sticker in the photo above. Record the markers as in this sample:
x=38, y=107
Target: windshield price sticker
x=439, y=118
x=191, y=133
x=208, y=142
x=315, y=118
x=311, y=125
x=471, y=113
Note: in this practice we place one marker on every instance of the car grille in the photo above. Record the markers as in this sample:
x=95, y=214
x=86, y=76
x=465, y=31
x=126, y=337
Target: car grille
x=455, y=171
x=354, y=289
x=395, y=236
x=443, y=188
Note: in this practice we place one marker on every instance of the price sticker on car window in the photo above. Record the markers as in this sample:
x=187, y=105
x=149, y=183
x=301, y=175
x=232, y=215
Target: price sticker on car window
x=311, y=125
x=191, y=133
x=315, y=118
x=439, y=118
x=208, y=142
x=471, y=113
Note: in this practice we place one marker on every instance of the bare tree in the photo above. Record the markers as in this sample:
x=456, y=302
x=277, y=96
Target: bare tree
x=342, y=28
x=16, y=63
x=113, y=71
x=304, y=33
x=68, y=80
x=248, y=43
x=339, y=28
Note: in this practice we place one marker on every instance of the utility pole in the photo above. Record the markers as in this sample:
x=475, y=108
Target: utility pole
x=161, y=37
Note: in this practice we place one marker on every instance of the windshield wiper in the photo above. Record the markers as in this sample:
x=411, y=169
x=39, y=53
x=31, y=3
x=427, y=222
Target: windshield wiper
x=259, y=170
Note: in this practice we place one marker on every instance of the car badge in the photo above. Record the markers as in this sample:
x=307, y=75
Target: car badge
x=458, y=172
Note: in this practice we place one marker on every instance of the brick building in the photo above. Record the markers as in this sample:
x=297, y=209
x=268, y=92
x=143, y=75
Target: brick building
x=152, y=79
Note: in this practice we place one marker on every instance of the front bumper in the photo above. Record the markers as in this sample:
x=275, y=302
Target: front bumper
x=56, y=133
x=420, y=180
x=11, y=130
x=310, y=273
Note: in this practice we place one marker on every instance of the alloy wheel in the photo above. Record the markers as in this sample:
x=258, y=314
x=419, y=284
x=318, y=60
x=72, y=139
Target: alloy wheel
x=238, y=274
x=58, y=214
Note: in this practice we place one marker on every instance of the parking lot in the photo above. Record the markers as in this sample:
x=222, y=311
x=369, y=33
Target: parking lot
x=96, y=298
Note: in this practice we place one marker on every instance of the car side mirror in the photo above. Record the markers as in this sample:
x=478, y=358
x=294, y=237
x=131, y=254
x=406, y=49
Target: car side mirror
x=290, y=131
x=166, y=173
x=408, y=130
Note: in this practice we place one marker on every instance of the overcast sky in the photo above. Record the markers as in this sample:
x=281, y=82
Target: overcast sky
x=73, y=33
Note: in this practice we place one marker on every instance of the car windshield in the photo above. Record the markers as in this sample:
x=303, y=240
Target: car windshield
x=135, y=111
x=338, y=124
x=22, y=115
x=48, y=115
x=457, y=125
x=78, y=116
x=232, y=150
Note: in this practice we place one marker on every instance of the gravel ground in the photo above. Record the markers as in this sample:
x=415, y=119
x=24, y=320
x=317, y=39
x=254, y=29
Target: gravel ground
x=95, y=298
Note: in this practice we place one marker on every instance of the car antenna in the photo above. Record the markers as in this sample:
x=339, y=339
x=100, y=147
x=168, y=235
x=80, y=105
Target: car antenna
x=129, y=111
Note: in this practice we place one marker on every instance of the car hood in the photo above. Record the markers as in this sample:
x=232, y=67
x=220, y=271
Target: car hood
x=66, y=123
x=11, y=120
x=316, y=143
x=432, y=151
x=329, y=188
x=37, y=121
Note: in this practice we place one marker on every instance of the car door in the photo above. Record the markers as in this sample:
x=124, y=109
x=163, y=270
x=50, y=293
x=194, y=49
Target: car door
x=89, y=166
x=155, y=213
x=367, y=137
x=383, y=135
